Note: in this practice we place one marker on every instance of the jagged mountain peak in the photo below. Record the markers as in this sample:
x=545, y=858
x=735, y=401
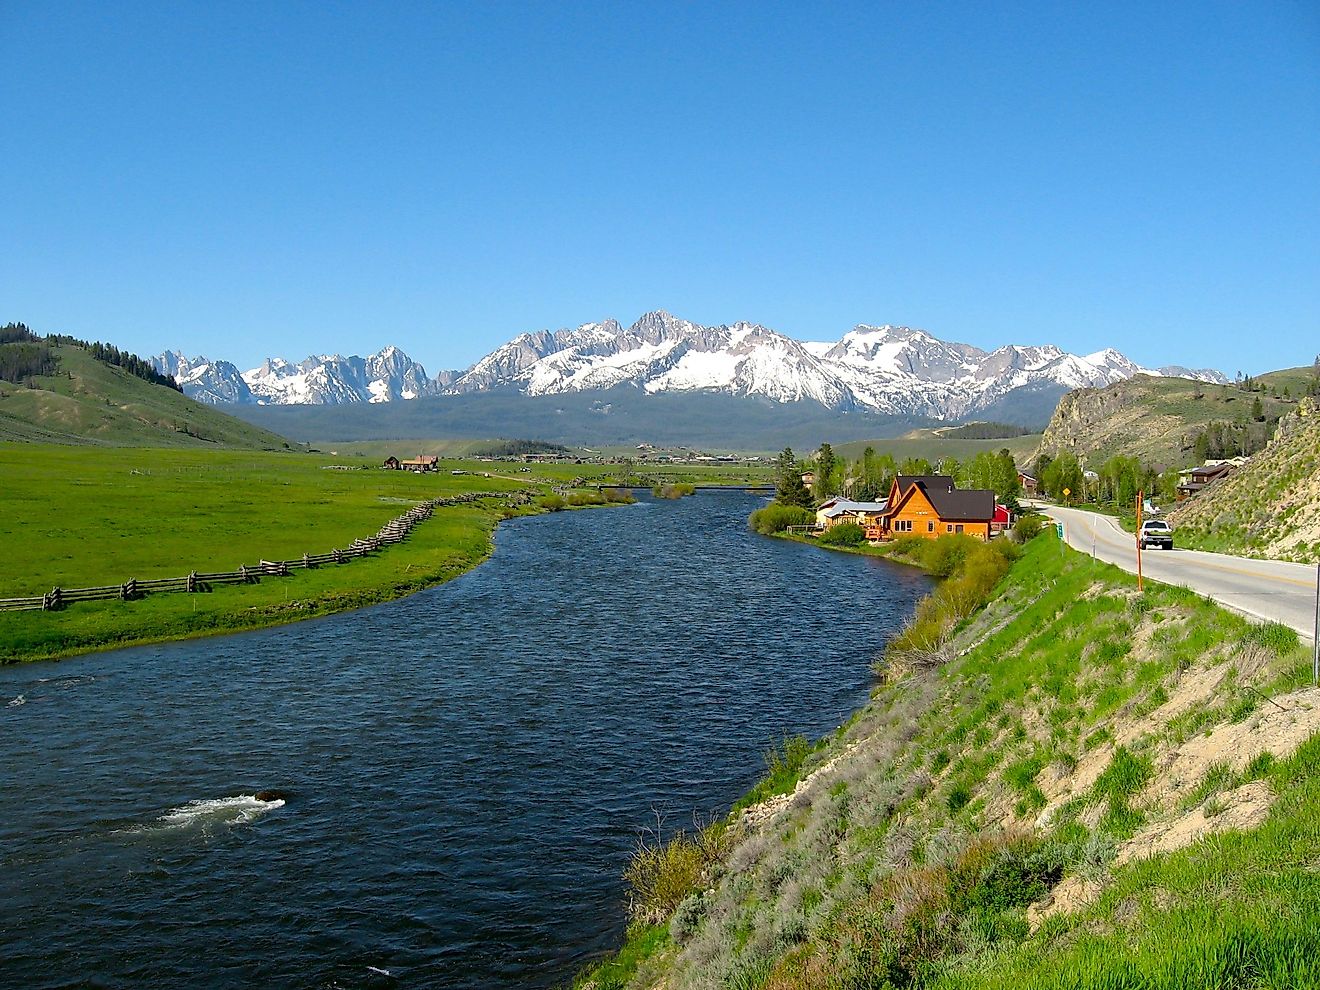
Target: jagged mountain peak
x=885, y=368
x=387, y=375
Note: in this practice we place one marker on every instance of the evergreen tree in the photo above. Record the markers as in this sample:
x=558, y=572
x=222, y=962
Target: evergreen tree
x=789, y=488
x=792, y=491
x=824, y=468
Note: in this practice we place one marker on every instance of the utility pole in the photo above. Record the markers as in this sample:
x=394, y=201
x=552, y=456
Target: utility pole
x=1315, y=634
x=1140, y=585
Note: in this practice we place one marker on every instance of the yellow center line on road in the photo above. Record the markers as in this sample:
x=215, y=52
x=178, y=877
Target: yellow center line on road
x=1300, y=582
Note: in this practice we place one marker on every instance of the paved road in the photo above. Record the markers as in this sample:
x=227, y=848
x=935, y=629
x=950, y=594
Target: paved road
x=1266, y=589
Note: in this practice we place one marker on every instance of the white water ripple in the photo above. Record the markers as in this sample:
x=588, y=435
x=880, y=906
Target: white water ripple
x=243, y=809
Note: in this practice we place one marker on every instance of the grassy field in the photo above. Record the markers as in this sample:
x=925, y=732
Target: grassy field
x=453, y=453
x=1082, y=787
x=932, y=446
x=89, y=402
x=78, y=517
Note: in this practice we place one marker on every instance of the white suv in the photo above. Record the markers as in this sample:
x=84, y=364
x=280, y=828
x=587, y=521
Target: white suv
x=1156, y=533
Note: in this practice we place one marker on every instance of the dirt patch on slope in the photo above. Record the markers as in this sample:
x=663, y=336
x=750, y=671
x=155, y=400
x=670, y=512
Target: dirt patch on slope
x=1245, y=807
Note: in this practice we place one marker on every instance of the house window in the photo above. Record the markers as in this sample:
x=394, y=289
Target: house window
x=948, y=528
x=930, y=527
x=958, y=528
x=903, y=526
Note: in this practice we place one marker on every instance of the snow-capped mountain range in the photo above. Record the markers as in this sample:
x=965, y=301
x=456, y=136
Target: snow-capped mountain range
x=884, y=369
x=328, y=379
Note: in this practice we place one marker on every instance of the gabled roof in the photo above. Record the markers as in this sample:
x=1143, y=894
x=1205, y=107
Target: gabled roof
x=952, y=505
x=967, y=505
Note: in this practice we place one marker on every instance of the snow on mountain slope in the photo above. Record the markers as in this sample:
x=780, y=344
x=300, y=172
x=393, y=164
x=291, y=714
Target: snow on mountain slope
x=215, y=382
x=889, y=369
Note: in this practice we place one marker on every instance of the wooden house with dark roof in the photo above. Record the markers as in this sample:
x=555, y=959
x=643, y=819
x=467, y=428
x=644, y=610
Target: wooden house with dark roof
x=931, y=505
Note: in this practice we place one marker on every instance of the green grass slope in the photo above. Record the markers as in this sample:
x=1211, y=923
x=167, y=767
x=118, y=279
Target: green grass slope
x=86, y=401
x=1158, y=419
x=1297, y=382
x=1269, y=508
x=1084, y=787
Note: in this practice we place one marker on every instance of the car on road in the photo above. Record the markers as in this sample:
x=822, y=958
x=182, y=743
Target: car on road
x=1156, y=533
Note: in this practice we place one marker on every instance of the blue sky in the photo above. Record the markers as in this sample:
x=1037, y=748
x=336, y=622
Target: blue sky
x=239, y=181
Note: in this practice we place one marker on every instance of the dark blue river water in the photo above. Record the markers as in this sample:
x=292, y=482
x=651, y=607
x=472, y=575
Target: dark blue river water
x=467, y=768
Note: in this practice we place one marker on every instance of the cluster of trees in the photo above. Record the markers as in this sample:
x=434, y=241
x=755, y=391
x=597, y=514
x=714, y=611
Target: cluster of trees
x=516, y=448
x=24, y=355
x=1232, y=439
x=870, y=476
x=985, y=431
x=1116, y=482
x=17, y=333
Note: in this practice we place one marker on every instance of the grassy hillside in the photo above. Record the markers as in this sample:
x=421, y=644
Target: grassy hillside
x=1271, y=507
x=1084, y=788
x=86, y=401
x=933, y=446
x=1297, y=382
x=1159, y=419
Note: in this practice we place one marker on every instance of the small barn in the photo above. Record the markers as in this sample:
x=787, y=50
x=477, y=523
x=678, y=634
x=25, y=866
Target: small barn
x=421, y=463
x=392, y=463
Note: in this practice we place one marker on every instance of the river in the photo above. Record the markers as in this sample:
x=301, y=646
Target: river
x=466, y=769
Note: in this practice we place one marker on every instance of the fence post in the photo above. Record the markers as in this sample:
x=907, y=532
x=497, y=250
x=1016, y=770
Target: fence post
x=306, y=562
x=52, y=601
x=192, y=582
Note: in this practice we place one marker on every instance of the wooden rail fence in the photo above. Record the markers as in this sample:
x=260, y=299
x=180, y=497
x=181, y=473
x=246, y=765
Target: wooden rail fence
x=392, y=532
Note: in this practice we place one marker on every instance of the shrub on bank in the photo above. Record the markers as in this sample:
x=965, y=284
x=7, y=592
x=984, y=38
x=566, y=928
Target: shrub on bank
x=618, y=496
x=844, y=535
x=1027, y=527
x=971, y=570
x=586, y=498
x=674, y=490
x=552, y=503
x=775, y=518
x=662, y=874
